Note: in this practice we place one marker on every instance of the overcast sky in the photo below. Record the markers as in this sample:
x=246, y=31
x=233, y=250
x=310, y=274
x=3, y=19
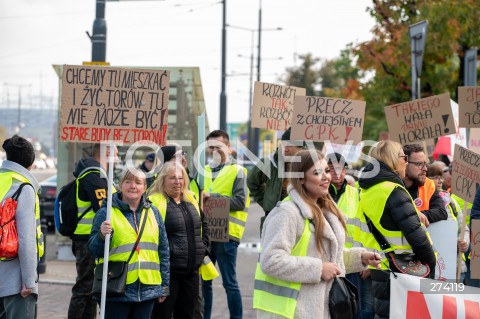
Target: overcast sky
x=36, y=34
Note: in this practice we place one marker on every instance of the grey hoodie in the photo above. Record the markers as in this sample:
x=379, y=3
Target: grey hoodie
x=21, y=270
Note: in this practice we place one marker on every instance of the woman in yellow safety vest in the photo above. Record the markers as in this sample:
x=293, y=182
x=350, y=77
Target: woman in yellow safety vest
x=149, y=267
x=435, y=173
x=303, y=246
x=187, y=237
x=386, y=202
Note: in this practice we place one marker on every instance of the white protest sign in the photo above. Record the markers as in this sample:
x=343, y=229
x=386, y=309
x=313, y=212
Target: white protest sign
x=217, y=215
x=415, y=297
x=444, y=237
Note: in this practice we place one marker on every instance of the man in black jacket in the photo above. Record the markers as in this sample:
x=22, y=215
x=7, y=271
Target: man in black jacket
x=92, y=190
x=422, y=189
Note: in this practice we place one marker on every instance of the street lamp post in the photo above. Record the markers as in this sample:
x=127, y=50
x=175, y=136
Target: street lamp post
x=223, y=94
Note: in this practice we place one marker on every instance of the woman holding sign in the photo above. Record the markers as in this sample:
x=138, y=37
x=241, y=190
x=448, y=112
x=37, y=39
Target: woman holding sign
x=187, y=236
x=303, y=247
x=133, y=220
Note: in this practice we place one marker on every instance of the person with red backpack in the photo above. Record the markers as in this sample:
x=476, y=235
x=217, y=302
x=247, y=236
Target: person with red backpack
x=19, y=284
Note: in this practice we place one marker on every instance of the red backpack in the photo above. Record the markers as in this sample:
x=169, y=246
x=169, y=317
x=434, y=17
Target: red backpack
x=8, y=226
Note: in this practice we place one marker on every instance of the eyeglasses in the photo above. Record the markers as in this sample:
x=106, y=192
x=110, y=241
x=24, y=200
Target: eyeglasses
x=184, y=153
x=405, y=158
x=440, y=178
x=420, y=165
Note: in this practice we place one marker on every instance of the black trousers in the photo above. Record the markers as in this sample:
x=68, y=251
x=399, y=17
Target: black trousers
x=182, y=299
x=82, y=305
x=129, y=310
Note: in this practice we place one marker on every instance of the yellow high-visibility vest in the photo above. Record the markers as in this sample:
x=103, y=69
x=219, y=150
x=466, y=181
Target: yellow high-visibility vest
x=348, y=205
x=279, y=296
x=207, y=268
x=372, y=203
x=6, y=181
x=84, y=226
x=145, y=262
x=223, y=185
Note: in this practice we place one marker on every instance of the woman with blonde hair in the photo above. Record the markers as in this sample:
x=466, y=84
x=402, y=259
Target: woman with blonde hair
x=303, y=246
x=390, y=213
x=187, y=237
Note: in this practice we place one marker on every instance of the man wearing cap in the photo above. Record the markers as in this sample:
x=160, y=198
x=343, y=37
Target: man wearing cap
x=18, y=284
x=269, y=189
x=147, y=167
x=422, y=189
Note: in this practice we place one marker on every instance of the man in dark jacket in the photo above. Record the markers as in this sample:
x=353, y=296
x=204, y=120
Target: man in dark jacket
x=92, y=190
x=422, y=189
x=269, y=189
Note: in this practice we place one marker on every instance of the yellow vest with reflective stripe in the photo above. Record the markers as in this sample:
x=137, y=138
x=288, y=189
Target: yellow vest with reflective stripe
x=6, y=181
x=460, y=203
x=275, y=295
x=348, y=205
x=193, y=187
x=372, y=203
x=145, y=262
x=207, y=269
x=84, y=226
x=223, y=185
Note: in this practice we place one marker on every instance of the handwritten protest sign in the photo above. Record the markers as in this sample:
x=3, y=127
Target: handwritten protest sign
x=469, y=104
x=273, y=105
x=119, y=104
x=327, y=119
x=420, y=120
x=465, y=173
x=444, y=237
x=475, y=249
x=217, y=214
x=474, y=140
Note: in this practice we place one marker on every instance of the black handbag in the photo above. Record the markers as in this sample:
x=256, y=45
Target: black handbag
x=343, y=299
x=401, y=263
x=117, y=272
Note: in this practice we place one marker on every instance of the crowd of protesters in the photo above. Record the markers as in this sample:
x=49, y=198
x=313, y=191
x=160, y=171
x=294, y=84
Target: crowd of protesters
x=319, y=224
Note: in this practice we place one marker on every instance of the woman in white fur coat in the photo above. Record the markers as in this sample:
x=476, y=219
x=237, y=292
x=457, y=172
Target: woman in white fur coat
x=326, y=256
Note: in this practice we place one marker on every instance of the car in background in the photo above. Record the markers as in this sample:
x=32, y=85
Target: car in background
x=47, y=197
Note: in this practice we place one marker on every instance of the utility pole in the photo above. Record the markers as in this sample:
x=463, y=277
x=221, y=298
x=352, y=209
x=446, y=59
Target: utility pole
x=223, y=94
x=99, y=33
x=256, y=131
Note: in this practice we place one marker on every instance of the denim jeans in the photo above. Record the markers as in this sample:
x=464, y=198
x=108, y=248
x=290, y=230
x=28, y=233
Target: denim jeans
x=226, y=256
x=366, y=299
x=15, y=306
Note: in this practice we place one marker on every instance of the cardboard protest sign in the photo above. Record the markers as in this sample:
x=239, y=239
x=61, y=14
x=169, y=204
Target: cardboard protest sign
x=465, y=173
x=117, y=104
x=217, y=215
x=273, y=105
x=415, y=297
x=420, y=120
x=475, y=249
x=474, y=140
x=469, y=104
x=444, y=237
x=327, y=119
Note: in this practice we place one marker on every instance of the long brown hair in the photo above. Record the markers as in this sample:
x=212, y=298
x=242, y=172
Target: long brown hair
x=308, y=158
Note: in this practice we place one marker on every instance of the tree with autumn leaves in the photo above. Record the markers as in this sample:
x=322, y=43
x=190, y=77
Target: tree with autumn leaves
x=379, y=71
